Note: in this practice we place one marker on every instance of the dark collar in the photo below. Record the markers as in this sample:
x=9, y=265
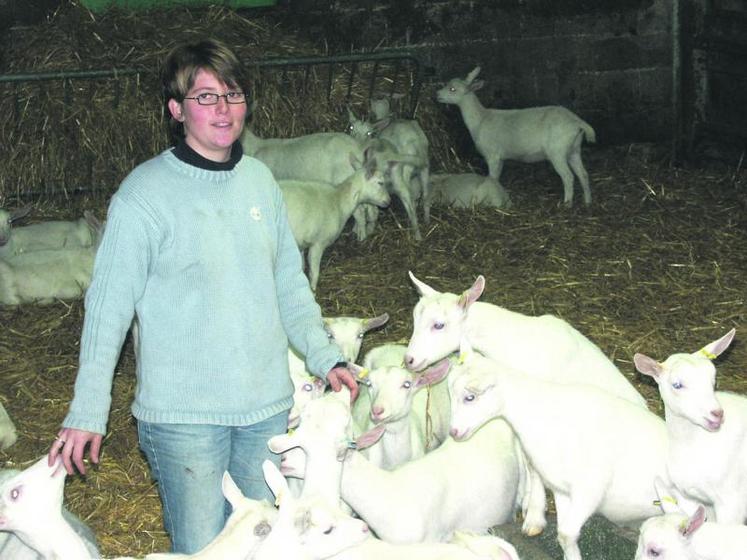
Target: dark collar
x=185, y=153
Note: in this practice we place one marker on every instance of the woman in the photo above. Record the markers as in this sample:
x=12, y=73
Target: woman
x=197, y=246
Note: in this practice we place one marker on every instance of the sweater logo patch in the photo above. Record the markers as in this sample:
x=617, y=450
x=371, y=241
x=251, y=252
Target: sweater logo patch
x=255, y=213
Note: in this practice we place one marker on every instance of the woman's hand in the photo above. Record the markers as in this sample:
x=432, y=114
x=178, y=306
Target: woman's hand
x=70, y=445
x=340, y=376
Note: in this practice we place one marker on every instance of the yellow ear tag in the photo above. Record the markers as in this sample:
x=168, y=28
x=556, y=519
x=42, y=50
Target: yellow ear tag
x=707, y=354
x=279, y=498
x=363, y=373
x=291, y=431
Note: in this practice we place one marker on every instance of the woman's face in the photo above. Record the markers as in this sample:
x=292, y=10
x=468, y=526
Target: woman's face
x=209, y=130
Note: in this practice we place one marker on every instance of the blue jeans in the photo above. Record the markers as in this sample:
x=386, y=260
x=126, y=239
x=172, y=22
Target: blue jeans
x=188, y=461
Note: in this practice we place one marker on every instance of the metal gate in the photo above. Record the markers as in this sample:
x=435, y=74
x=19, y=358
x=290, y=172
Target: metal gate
x=713, y=112
x=81, y=132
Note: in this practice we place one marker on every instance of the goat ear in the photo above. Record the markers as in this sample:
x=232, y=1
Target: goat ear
x=376, y=322
x=231, y=491
x=21, y=212
x=276, y=481
x=282, y=442
x=477, y=84
x=473, y=293
x=473, y=74
x=695, y=522
x=367, y=439
x=422, y=288
x=434, y=374
x=647, y=366
x=382, y=124
x=351, y=115
x=715, y=348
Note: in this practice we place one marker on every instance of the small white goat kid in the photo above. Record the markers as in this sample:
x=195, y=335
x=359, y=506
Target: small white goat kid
x=679, y=536
x=596, y=452
x=400, y=181
x=707, y=457
x=44, y=276
x=52, y=234
x=317, y=212
x=550, y=133
x=414, y=414
x=33, y=523
x=466, y=190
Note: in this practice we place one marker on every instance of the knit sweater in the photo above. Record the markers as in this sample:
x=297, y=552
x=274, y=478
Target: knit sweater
x=207, y=261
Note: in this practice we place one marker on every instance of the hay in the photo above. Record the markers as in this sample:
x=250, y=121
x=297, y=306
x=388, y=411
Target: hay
x=655, y=265
x=86, y=135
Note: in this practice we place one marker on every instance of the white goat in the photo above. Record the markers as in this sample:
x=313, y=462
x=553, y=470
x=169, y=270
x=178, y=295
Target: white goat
x=347, y=333
x=52, y=234
x=546, y=346
x=414, y=414
x=379, y=356
x=310, y=528
x=8, y=435
x=400, y=181
x=469, y=486
x=45, y=276
x=466, y=190
x=595, y=451
x=707, y=457
x=33, y=523
x=322, y=157
x=551, y=133
x=677, y=535
x=317, y=212
x=407, y=135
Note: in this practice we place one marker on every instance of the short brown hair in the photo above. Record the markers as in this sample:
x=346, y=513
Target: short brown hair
x=182, y=64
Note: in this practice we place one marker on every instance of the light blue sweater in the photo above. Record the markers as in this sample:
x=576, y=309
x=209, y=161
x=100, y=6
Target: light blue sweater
x=208, y=262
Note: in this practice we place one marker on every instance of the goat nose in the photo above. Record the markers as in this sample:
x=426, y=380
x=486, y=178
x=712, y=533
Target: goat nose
x=409, y=359
x=453, y=432
x=718, y=413
x=377, y=411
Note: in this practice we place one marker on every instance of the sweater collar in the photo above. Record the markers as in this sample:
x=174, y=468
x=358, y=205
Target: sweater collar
x=186, y=154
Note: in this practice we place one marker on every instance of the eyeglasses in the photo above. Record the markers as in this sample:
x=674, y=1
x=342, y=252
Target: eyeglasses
x=233, y=97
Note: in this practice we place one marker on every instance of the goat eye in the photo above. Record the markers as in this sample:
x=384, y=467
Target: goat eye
x=360, y=335
x=677, y=385
x=407, y=384
x=15, y=494
x=329, y=531
x=330, y=336
x=653, y=553
x=469, y=398
x=307, y=387
x=438, y=325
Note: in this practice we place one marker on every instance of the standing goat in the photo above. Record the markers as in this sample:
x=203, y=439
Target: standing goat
x=317, y=212
x=551, y=133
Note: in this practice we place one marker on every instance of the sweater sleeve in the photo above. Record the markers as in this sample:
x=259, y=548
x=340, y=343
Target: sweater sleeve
x=299, y=311
x=118, y=280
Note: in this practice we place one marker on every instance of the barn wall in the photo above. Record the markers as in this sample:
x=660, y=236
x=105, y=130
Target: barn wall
x=608, y=60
